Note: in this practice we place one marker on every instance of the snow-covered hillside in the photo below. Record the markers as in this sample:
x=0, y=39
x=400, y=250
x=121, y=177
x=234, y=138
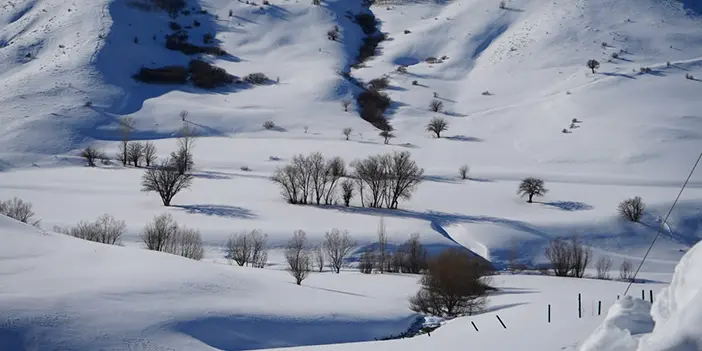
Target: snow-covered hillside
x=511, y=81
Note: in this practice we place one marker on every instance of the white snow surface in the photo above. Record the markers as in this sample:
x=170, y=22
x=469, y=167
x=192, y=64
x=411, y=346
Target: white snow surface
x=639, y=135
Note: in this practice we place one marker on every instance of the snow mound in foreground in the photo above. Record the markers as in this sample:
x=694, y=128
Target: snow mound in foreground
x=677, y=314
x=678, y=310
x=627, y=318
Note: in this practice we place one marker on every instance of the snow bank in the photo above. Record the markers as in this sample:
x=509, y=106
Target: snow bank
x=626, y=319
x=678, y=310
x=677, y=314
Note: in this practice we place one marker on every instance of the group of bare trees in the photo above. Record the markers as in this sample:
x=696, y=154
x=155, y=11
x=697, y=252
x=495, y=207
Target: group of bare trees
x=301, y=258
x=164, y=234
x=569, y=258
x=381, y=180
x=106, y=230
x=248, y=248
x=456, y=283
x=132, y=152
x=174, y=173
x=20, y=210
x=410, y=257
x=310, y=179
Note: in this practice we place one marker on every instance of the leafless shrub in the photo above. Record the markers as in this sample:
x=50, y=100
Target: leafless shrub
x=166, y=181
x=268, y=125
x=207, y=76
x=503, y=5
x=333, y=34
x=455, y=284
x=402, y=69
x=463, y=172
x=91, y=154
x=297, y=256
x=603, y=266
x=338, y=247
x=558, y=253
x=187, y=243
x=135, y=153
x=437, y=125
x=256, y=78
x=239, y=248
x=347, y=191
x=160, y=233
x=20, y=210
x=531, y=187
x=347, y=132
x=436, y=105
x=379, y=83
x=626, y=271
x=105, y=229
x=632, y=209
x=149, y=153
x=689, y=76
x=346, y=103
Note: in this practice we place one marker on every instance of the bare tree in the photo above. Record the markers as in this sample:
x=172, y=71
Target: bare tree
x=437, y=125
x=387, y=135
x=346, y=103
x=317, y=170
x=91, y=154
x=455, y=284
x=135, y=153
x=160, y=233
x=183, y=115
x=580, y=257
x=338, y=247
x=626, y=271
x=20, y=210
x=593, y=65
x=403, y=177
x=318, y=258
x=182, y=159
x=463, y=172
x=286, y=177
x=259, y=253
x=126, y=127
x=558, y=253
x=382, y=255
x=149, y=153
x=335, y=169
x=632, y=209
x=436, y=105
x=347, y=132
x=347, y=191
x=166, y=181
x=297, y=256
x=603, y=266
x=366, y=262
x=239, y=248
x=371, y=173
x=187, y=243
x=532, y=187
x=413, y=256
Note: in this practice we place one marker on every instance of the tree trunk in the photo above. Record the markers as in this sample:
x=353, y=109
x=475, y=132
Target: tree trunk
x=593, y=71
x=531, y=196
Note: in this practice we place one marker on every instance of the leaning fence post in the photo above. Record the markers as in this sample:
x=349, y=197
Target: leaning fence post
x=651, y=291
x=580, y=309
x=476, y=328
x=599, y=308
x=549, y=313
x=643, y=294
x=503, y=324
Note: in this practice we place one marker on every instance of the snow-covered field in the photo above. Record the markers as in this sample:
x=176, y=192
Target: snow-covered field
x=639, y=135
